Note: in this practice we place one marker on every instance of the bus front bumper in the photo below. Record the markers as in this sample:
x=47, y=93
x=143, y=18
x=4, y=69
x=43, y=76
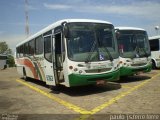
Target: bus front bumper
x=127, y=71
x=80, y=80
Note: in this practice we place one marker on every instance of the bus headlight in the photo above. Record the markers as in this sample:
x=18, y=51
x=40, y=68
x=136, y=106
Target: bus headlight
x=70, y=67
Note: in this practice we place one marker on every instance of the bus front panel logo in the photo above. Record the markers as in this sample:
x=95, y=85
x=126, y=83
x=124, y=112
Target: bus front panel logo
x=101, y=57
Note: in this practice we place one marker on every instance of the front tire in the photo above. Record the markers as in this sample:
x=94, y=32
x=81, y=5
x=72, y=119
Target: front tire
x=153, y=64
x=55, y=89
x=24, y=74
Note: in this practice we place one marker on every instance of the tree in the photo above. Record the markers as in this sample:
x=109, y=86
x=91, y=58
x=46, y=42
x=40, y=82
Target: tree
x=10, y=61
x=4, y=49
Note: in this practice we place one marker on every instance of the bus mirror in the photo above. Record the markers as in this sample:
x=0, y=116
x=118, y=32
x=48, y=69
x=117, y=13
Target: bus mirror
x=66, y=31
x=117, y=34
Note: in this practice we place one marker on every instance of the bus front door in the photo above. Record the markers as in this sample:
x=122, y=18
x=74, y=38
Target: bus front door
x=48, y=61
x=58, y=60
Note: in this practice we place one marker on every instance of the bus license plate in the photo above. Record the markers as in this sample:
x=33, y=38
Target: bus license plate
x=100, y=82
x=138, y=73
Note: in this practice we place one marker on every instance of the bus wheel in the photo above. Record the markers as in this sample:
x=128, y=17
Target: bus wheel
x=153, y=65
x=24, y=74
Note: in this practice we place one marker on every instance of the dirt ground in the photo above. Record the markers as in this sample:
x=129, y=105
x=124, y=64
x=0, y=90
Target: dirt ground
x=138, y=94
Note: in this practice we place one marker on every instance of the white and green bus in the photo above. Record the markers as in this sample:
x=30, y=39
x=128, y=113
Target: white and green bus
x=3, y=61
x=134, y=50
x=70, y=52
x=154, y=42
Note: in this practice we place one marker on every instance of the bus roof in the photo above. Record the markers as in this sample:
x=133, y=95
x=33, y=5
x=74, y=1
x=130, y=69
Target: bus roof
x=129, y=28
x=53, y=25
x=154, y=37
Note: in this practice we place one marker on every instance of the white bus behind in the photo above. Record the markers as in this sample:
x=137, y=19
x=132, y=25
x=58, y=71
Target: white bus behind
x=154, y=42
x=135, y=55
x=3, y=61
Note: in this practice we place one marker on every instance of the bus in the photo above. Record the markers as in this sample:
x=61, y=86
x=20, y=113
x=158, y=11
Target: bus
x=70, y=52
x=134, y=50
x=154, y=42
x=3, y=61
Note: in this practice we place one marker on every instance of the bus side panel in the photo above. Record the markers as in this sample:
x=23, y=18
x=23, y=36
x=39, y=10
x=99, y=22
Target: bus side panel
x=20, y=70
x=29, y=72
x=27, y=66
x=156, y=57
x=66, y=72
x=38, y=63
x=33, y=67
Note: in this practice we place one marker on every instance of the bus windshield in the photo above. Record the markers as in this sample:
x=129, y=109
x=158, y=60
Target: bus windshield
x=133, y=43
x=91, y=42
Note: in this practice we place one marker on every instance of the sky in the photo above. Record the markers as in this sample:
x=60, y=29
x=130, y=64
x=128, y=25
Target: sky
x=133, y=13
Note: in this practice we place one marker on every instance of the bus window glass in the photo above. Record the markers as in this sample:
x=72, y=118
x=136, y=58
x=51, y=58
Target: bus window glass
x=39, y=45
x=17, y=52
x=26, y=49
x=21, y=50
x=31, y=47
x=132, y=42
x=91, y=41
x=48, y=48
x=154, y=44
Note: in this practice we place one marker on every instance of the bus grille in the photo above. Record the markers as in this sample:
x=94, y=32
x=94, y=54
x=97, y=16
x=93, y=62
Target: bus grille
x=98, y=70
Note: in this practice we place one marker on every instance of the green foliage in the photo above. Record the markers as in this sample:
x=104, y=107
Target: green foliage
x=10, y=61
x=4, y=49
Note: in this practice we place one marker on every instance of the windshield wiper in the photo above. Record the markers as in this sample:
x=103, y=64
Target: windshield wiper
x=138, y=49
x=146, y=55
x=106, y=49
x=93, y=47
x=91, y=52
x=109, y=54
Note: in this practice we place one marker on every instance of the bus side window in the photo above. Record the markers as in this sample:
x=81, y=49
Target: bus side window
x=39, y=45
x=31, y=47
x=17, y=52
x=26, y=49
x=154, y=45
x=21, y=50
